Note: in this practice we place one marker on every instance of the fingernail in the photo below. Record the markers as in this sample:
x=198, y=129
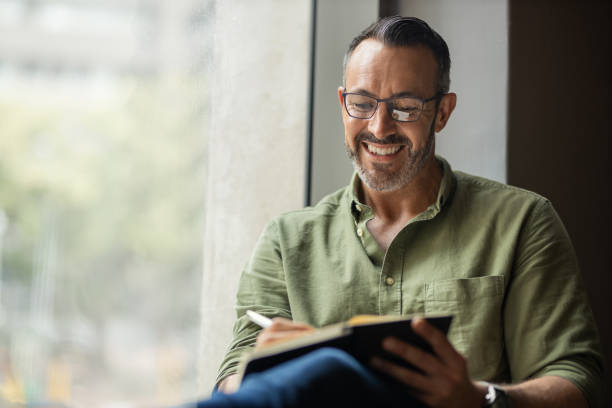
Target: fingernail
x=417, y=321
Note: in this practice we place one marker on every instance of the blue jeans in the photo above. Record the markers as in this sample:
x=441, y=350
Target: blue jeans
x=324, y=378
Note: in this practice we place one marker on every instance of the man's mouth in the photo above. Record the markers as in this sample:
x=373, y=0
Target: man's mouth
x=383, y=151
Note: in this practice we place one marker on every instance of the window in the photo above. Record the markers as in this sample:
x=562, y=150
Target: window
x=103, y=113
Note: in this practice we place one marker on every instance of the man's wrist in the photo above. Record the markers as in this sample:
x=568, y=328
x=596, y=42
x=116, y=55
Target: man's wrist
x=494, y=397
x=482, y=389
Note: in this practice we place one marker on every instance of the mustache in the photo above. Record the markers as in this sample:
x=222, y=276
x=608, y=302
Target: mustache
x=391, y=139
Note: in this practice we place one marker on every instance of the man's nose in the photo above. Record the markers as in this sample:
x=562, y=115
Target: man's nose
x=381, y=124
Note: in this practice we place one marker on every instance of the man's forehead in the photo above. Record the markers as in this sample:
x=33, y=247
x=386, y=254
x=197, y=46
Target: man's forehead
x=372, y=50
x=373, y=63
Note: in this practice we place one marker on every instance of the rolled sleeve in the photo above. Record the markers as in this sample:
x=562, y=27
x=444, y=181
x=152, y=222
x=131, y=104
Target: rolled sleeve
x=262, y=289
x=583, y=371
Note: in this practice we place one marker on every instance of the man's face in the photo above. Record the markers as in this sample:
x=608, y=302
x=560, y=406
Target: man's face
x=388, y=154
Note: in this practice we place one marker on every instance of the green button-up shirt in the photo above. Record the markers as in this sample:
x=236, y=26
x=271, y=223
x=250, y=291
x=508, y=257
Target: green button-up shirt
x=496, y=257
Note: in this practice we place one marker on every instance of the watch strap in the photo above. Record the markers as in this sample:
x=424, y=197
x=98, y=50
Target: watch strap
x=495, y=397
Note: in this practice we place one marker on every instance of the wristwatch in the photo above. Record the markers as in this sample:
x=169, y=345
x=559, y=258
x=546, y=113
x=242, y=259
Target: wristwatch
x=495, y=397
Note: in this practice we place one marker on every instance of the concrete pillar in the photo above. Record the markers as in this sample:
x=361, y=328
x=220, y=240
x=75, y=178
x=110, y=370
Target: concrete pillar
x=256, y=148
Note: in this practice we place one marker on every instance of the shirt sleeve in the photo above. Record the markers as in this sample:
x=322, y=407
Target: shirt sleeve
x=262, y=289
x=549, y=326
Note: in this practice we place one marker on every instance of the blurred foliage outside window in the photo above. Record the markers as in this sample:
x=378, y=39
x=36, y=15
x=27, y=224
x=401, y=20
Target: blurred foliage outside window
x=103, y=113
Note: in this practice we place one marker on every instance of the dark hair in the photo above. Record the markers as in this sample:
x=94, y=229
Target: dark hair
x=404, y=32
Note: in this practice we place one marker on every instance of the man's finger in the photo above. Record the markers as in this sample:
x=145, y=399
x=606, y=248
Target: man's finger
x=282, y=324
x=438, y=341
x=268, y=337
x=418, y=382
x=418, y=358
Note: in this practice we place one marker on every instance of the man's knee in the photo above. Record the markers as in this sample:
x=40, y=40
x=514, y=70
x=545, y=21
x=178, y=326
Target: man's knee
x=325, y=365
x=333, y=359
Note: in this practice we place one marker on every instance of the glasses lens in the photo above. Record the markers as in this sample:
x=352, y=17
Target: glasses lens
x=360, y=106
x=406, y=109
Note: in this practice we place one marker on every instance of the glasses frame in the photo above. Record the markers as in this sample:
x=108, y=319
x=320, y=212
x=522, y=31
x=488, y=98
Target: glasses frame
x=390, y=108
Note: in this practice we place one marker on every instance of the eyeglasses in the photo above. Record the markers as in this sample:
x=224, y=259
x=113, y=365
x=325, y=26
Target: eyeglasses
x=402, y=109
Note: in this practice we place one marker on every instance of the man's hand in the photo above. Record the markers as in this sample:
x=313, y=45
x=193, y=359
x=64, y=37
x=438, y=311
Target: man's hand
x=229, y=384
x=281, y=330
x=444, y=381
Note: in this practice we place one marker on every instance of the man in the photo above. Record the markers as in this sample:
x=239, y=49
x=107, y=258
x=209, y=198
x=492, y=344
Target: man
x=410, y=236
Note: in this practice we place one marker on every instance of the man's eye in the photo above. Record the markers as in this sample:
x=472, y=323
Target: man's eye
x=363, y=106
x=406, y=108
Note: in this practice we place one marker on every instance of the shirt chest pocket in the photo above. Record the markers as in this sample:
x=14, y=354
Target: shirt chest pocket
x=477, y=327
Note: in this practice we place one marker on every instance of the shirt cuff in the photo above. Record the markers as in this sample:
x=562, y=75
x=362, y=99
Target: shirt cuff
x=584, y=372
x=230, y=364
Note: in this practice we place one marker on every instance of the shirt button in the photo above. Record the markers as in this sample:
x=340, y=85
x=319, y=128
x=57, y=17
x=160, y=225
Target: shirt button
x=360, y=232
x=389, y=281
x=358, y=207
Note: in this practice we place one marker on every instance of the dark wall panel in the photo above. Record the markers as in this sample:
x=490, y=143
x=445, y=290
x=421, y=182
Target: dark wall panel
x=559, y=128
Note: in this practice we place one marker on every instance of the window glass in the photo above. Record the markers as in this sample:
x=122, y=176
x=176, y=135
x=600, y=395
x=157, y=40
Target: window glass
x=103, y=118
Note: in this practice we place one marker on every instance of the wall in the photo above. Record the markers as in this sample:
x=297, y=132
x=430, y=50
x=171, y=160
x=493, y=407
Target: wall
x=559, y=128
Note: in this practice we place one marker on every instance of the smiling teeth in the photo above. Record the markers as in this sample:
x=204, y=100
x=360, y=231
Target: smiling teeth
x=383, y=151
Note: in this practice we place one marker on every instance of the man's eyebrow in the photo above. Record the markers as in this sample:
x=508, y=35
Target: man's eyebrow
x=406, y=93
x=396, y=95
x=361, y=92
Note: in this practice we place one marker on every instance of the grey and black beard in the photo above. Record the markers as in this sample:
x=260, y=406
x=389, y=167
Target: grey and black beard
x=380, y=180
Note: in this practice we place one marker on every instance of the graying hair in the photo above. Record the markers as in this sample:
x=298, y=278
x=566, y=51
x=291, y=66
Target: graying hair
x=399, y=31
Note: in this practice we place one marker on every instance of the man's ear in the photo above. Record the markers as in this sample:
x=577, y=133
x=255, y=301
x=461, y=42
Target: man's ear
x=445, y=109
x=340, y=98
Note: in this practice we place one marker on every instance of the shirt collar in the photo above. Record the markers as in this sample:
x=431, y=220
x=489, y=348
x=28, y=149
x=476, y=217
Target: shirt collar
x=445, y=193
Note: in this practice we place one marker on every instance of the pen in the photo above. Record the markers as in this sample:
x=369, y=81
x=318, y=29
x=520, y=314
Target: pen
x=258, y=319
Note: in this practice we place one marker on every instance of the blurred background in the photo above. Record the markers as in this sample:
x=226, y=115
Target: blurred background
x=103, y=106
